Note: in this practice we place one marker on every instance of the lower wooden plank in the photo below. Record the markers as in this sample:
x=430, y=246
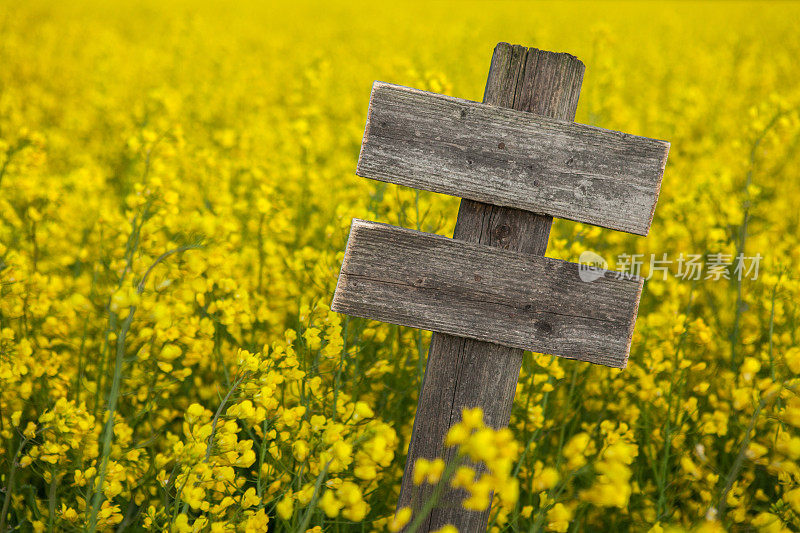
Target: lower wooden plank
x=469, y=290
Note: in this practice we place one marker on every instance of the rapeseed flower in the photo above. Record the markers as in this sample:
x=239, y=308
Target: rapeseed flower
x=175, y=191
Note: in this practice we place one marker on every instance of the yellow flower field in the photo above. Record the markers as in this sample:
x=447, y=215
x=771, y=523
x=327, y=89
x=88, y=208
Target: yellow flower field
x=176, y=187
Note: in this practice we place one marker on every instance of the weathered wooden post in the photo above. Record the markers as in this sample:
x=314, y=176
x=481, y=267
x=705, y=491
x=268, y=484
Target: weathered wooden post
x=488, y=293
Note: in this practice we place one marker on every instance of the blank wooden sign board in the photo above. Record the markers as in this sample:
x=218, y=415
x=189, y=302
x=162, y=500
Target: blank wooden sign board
x=516, y=160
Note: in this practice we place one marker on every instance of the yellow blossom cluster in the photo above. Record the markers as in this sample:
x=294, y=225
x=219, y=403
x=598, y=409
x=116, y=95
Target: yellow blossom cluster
x=480, y=468
x=176, y=188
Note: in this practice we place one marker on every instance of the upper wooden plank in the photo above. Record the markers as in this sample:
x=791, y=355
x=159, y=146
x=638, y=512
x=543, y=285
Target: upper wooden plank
x=511, y=158
x=470, y=290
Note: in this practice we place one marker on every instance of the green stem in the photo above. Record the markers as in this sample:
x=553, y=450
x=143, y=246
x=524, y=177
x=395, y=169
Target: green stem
x=737, y=464
x=435, y=496
x=108, y=429
x=113, y=398
x=10, y=484
x=51, y=514
x=314, y=497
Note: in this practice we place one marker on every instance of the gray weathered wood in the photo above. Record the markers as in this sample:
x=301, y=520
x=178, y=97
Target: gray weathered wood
x=508, y=158
x=463, y=372
x=471, y=290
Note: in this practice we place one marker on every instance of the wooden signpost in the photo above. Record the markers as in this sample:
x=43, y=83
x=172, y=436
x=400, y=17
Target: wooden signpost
x=516, y=160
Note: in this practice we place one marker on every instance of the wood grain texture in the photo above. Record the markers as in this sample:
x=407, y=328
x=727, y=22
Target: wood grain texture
x=535, y=303
x=508, y=158
x=463, y=372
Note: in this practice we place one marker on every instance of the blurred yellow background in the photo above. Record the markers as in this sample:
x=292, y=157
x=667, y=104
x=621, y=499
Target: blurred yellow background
x=176, y=186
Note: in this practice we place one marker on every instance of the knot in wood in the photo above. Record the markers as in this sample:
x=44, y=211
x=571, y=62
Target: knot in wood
x=502, y=233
